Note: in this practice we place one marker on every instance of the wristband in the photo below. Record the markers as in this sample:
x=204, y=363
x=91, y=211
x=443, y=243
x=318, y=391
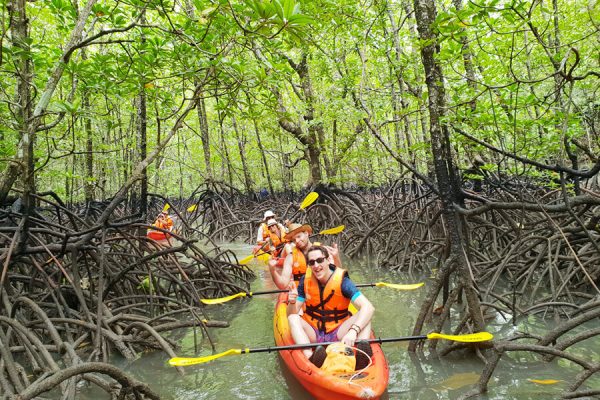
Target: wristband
x=356, y=328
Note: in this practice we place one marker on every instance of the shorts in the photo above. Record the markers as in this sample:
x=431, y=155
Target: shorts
x=323, y=337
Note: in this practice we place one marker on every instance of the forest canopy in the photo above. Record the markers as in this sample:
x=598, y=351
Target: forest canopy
x=289, y=92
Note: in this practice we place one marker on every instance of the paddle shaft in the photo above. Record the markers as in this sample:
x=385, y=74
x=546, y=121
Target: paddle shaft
x=261, y=250
x=312, y=345
x=280, y=246
x=285, y=290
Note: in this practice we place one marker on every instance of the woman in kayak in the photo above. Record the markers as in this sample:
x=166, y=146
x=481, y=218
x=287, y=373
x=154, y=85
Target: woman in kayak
x=263, y=230
x=275, y=239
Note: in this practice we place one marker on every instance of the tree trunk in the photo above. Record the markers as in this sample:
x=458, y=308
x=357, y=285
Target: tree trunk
x=309, y=139
x=241, y=140
x=315, y=130
x=142, y=124
x=142, y=131
x=467, y=57
x=225, y=161
x=20, y=40
x=203, y=123
x=159, y=159
x=447, y=180
x=7, y=179
x=263, y=154
x=89, y=148
x=398, y=98
x=29, y=120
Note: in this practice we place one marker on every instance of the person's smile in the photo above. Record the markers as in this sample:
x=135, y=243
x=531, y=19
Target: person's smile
x=320, y=269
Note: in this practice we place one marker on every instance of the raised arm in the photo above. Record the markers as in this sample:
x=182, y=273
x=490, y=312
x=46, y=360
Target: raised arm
x=282, y=276
x=334, y=255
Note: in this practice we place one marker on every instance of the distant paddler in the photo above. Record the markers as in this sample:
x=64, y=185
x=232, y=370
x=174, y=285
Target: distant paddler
x=164, y=221
x=264, y=233
x=276, y=238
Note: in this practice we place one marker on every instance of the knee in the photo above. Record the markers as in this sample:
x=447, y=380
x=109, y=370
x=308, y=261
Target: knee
x=294, y=319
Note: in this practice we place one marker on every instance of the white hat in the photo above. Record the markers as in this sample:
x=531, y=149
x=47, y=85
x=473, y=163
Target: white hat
x=268, y=214
x=271, y=222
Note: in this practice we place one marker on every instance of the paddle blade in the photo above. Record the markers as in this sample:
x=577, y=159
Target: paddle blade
x=353, y=310
x=469, y=338
x=221, y=300
x=185, y=361
x=192, y=207
x=166, y=207
x=399, y=286
x=309, y=199
x=264, y=257
x=544, y=381
x=246, y=259
x=333, y=231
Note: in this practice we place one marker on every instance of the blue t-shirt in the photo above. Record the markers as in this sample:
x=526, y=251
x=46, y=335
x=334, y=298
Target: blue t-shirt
x=349, y=289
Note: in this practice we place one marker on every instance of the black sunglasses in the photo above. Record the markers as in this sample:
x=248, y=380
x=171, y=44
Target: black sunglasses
x=316, y=261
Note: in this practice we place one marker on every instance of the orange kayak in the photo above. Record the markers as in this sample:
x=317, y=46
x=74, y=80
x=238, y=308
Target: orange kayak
x=368, y=384
x=157, y=235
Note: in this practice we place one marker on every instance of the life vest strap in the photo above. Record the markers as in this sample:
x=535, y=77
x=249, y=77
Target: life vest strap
x=328, y=315
x=324, y=316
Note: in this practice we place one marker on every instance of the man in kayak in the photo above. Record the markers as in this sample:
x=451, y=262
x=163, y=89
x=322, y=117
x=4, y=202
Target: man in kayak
x=326, y=292
x=292, y=264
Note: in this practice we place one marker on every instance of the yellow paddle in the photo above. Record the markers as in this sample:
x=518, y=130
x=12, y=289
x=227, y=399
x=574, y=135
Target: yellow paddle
x=469, y=338
x=330, y=231
x=545, y=381
x=249, y=258
x=308, y=200
x=221, y=300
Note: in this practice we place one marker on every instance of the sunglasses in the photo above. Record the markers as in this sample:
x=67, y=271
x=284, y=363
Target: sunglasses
x=316, y=261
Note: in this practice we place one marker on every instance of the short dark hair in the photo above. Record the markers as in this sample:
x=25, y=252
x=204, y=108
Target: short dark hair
x=322, y=249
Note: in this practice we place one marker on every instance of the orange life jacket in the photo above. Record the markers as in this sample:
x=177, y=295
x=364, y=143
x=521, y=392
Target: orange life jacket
x=299, y=265
x=166, y=224
x=276, y=241
x=327, y=309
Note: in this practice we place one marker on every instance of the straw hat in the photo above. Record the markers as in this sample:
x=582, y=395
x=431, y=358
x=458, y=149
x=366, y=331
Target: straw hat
x=294, y=229
x=269, y=214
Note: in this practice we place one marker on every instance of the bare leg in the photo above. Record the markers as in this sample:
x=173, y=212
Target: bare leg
x=302, y=332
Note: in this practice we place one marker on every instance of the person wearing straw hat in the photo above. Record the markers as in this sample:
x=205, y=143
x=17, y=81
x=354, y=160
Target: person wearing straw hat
x=293, y=267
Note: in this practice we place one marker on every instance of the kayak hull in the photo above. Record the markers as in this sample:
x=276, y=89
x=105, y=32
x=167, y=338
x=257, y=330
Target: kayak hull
x=157, y=235
x=369, y=384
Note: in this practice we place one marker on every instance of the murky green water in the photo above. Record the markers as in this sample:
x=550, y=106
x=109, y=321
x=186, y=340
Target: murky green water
x=263, y=376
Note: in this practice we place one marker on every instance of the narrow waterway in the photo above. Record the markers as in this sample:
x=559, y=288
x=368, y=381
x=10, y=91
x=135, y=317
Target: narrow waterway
x=263, y=375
